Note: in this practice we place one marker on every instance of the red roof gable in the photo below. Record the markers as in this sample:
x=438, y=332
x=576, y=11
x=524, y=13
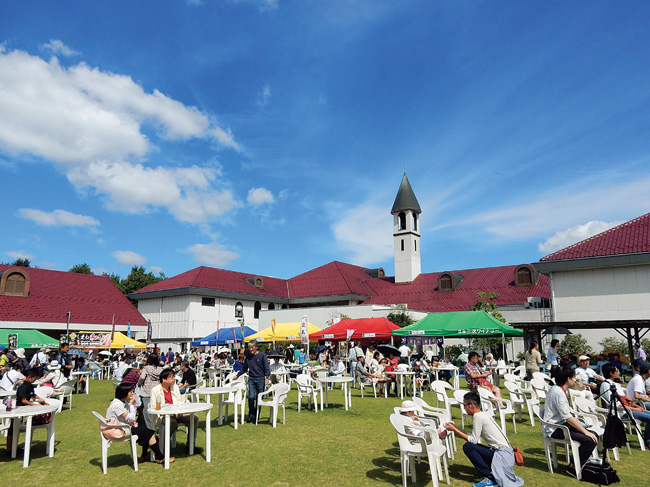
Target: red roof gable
x=628, y=238
x=335, y=278
x=222, y=280
x=90, y=299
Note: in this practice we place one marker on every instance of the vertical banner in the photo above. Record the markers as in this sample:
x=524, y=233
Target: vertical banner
x=304, y=332
x=216, y=340
x=149, y=330
x=234, y=336
x=349, y=334
x=12, y=340
x=128, y=329
x=113, y=329
x=273, y=330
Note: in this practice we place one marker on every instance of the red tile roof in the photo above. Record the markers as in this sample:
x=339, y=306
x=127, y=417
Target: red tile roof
x=628, y=238
x=90, y=300
x=340, y=279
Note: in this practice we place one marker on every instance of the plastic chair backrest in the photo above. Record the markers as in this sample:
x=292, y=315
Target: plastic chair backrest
x=459, y=395
x=43, y=391
x=540, y=375
x=400, y=423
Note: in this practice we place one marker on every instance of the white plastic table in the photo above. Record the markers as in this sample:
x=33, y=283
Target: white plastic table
x=4, y=393
x=29, y=412
x=219, y=391
x=448, y=368
x=168, y=410
x=402, y=374
x=336, y=379
x=78, y=374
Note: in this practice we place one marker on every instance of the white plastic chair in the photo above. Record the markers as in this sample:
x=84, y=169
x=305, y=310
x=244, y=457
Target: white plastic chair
x=539, y=386
x=43, y=391
x=362, y=386
x=106, y=443
x=413, y=447
x=520, y=399
x=307, y=387
x=440, y=388
x=440, y=416
x=458, y=397
x=278, y=393
x=492, y=402
x=49, y=444
x=65, y=391
x=213, y=377
x=236, y=399
x=550, y=445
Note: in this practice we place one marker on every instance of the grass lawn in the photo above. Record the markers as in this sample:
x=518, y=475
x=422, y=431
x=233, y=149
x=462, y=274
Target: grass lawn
x=330, y=448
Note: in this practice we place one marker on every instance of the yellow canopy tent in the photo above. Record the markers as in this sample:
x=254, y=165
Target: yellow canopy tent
x=120, y=340
x=284, y=332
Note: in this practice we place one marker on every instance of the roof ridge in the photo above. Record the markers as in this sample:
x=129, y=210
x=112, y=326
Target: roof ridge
x=598, y=235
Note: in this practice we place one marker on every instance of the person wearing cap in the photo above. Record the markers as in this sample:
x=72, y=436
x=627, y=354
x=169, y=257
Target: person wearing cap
x=495, y=460
x=337, y=368
x=409, y=409
x=636, y=388
x=288, y=354
x=587, y=376
x=53, y=375
x=20, y=360
x=259, y=371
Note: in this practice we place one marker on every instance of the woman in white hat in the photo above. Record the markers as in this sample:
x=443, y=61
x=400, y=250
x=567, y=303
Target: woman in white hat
x=53, y=375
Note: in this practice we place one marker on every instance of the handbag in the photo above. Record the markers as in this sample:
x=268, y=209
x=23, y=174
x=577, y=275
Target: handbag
x=519, y=457
x=111, y=433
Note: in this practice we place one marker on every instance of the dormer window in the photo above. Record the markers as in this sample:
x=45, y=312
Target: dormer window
x=524, y=276
x=14, y=282
x=448, y=281
x=255, y=282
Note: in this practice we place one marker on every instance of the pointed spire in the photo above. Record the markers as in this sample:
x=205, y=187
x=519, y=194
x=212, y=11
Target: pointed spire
x=405, y=199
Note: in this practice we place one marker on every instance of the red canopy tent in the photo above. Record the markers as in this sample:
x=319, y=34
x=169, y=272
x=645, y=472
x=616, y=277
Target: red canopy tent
x=369, y=329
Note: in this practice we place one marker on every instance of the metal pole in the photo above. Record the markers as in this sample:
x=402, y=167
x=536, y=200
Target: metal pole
x=67, y=326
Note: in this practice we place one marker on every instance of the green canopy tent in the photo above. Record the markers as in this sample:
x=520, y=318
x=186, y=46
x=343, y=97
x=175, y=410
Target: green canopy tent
x=459, y=324
x=29, y=338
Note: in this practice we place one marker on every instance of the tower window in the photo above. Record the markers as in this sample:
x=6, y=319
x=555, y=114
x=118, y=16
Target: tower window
x=415, y=222
x=402, y=245
x=415, y=243
x=401, y=221
x=256, y=310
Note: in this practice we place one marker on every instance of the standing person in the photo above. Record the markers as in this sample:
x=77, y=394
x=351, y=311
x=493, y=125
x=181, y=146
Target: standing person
x=123, y=409
x=257, y=366
x=558, y=411
x=552, y=357
x=353, y=357
x=64, y=360
x=533, y=359
x=640, y=353
x=149, y=378
x=404, y=354
x=169, y=359
x=40, y=359
x=496, y=461
x=167, y=392
x=477, y=377
x=289, y=354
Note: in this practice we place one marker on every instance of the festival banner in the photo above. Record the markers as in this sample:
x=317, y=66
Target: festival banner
x=304, y=331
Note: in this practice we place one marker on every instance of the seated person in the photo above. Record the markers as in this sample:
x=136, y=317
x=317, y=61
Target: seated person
x=167, y=392
x=587, y=376
x=616, y=362
x=476, y=377
x=364, y=374
x=123, y=409
x=496, y=445
x=391, y=382
x=12, y=378
x=409, y=409
x=25, y=396
x=54, y=377
x=241, y=358
x=602, y=360
x=636, y=388
x=188, y=381
x=277, y=367
x=338, y=367
x=557, y=410
x=132, y=376
x=490, y=361
x=611, y=374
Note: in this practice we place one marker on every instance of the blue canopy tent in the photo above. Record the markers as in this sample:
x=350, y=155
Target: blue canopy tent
x=225, y=337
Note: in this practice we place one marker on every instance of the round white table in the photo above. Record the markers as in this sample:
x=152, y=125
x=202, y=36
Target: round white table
x=28, y=412
x=448, y=368
x=401, y=374
x=78, y=375
x=336, y=379
x=219, y=391
x=168, y=410
x=4, y=393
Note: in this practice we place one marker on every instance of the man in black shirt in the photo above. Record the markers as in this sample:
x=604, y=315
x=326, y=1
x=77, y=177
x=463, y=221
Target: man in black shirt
x=189, y=377
x=257, y=366
x=64, y=360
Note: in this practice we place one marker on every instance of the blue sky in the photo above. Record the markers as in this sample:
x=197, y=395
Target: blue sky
x=270, y=136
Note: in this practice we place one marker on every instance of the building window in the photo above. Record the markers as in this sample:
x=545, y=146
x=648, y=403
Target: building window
x=256, y=310
x=523, y=276
x=284, y=306
x=445, y=283
x=208, y=302
x=402, y=245
x=271, y=306
x=415, y=243
x=401, y=221
x=239, y=310
x=258, y=283
x=14, y=282
x=415, y=222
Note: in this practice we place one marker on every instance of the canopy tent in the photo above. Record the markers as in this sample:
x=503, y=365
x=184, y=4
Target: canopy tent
x=376, y=329
x=225, y=337
x=29, y=338
x=284, y=332
x=459, y=324
x=120, y=340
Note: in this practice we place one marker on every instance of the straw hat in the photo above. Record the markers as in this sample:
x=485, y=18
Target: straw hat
x=407, y=406
x=20, y=352
x=54, y=365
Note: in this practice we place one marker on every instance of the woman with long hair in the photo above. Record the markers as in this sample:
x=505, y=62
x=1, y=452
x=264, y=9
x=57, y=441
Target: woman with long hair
x=533, y=359
x=149, y=378
x=553, y=357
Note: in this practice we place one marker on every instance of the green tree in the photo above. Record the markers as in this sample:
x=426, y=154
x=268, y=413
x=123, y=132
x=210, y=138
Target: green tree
x=614, y=345
x=138, y=278
x=488, y=303
x=21, y=263
x=401, y=317
x=574, y=345
x=114, y=278
x=81, y=269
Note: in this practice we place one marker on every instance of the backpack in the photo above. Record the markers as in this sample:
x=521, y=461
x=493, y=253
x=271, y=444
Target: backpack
x=599, y=472
x=614, y=435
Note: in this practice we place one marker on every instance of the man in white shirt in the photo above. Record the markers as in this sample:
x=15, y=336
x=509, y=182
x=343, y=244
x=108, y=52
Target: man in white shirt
x=496, y=461
x=39, y=359
x=584, y=373
x=338, y=367
x=636, y=388
x=404, y=352
x=11, y=379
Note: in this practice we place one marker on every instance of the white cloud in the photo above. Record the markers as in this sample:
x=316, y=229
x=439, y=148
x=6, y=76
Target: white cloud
x=127, y=257
x=260, y=196
x=20, y=254
x=155, y=269
x=364, y=233
x=49, y=265
x=91, y=123
x=265, y=96
x=571, y=235
x=213, y=254
x=99, y=271
x=56, y=46
x=58, y=218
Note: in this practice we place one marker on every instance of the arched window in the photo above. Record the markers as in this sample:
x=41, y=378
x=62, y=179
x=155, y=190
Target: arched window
x=415, y=222
x=256, y=310
x=284, y=306
x=14, y=282
x=239, y=310
x=523, y=276
x=445, y=283
x=401, y=221
x=271, y=306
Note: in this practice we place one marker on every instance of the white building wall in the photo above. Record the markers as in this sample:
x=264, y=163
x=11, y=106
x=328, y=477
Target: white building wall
x=617, y=293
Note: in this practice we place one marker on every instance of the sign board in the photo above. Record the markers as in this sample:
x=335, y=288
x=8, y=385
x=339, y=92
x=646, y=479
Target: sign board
x=12, y=338
x=328, y=335
x=290, y=338
x=367, y=335
x=304, y=331
x=92, y=339
x=416, y=332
